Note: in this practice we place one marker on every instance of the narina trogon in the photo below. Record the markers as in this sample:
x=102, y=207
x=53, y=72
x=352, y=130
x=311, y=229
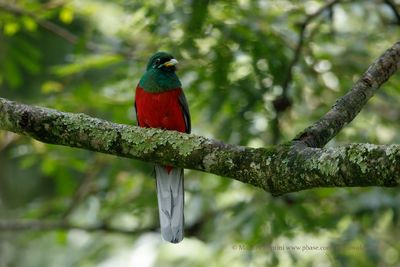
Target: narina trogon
x=160, y=103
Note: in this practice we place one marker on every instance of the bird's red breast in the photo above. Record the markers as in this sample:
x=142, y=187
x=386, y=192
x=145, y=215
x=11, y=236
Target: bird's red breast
x=160, y=110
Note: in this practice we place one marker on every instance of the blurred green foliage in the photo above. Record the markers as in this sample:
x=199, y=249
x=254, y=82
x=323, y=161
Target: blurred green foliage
x=88, y=55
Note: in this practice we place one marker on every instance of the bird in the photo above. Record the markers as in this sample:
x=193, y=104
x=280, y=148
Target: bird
x=161, y=103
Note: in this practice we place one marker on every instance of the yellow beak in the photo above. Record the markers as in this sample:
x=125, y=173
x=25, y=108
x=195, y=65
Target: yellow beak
x=170, y=63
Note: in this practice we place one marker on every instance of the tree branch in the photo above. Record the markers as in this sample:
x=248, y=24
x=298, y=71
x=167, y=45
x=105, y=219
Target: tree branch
x=38, y=225
x=278, y=169
x=347, y=107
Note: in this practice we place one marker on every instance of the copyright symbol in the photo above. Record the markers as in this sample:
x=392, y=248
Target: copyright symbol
x=234, y=247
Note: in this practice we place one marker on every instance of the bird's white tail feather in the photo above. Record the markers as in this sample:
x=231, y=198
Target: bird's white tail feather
x=170, y=195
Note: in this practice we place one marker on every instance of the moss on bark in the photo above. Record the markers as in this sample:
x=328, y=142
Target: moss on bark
x=278, y=169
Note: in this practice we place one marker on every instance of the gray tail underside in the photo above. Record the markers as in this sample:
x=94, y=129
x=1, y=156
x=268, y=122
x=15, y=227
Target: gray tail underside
x=170, y=195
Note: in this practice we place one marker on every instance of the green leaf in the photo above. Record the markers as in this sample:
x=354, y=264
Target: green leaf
x=87, y=63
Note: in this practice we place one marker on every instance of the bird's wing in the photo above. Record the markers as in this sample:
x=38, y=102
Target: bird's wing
x=137, y=119
x=136, y=110
x=185, y=111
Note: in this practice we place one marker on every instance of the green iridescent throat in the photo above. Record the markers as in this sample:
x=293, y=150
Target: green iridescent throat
x=157, y=80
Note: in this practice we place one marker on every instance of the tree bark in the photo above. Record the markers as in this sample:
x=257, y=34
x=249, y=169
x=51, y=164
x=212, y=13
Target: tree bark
x=280, y=169
x=347, y=107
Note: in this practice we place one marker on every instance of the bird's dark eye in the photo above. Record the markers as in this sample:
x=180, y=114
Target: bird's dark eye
x=156, y=63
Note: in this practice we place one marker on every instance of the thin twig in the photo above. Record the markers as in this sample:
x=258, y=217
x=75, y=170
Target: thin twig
x=82, y=190
x=300, y=43
x=60, y=31
x=19, y=225
x=393, y=7
x=36, y=225
x=283, y=102
x=48, y=25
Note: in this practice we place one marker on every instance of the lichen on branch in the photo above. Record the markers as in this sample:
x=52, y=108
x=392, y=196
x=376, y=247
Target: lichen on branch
x=280, y=169
x=347, y=107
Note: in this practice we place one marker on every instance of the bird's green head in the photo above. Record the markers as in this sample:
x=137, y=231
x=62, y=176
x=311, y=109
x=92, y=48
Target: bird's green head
x=160, y=73
x=162, y=61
